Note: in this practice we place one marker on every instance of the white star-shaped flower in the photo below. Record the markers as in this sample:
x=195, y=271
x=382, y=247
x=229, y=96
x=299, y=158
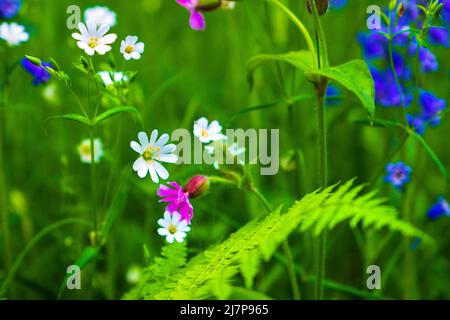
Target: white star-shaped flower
x=173, y=227
x=13, y=33
x=93, y=40
x=100, y=16
x=207, y=133
x=131, y=49
x=151, y=154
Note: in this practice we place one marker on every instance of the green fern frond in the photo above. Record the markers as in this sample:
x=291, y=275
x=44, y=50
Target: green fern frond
x=320, y=210
x=156, y=276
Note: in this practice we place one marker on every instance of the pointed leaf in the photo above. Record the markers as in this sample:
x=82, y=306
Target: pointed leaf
x=114, y=111
x=356, y=77
x=72, y=117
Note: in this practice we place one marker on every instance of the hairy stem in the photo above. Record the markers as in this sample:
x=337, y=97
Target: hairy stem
x=93, y=183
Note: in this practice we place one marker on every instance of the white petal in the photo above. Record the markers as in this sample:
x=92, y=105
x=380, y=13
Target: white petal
x=108, y=39
x=176, y=217
x=142, y=172
x=77, y=36
x=163, y=232
x=160, y=170
x=168, y=148
x=127, y=56
x=167, y=216
x=162, y=140
x=179, y=236
x=135, y=55
x=103, y=30
x=92, y=28
x=139, y=163
x=168, y=158
x=153, y=137
x=170, y=238
x=136, y=147
x=202, y=123
x=153, y=174
x=143, y=139
x=139, y=47
x=131, y=39
x=215, y=127
x=83, y=30
x=102, y=49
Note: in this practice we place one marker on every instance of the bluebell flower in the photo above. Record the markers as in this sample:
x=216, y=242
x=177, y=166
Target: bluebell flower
x=410, y=14
x=374, y=45
x=427, y=60
x=445, y=13
x=398, y=174
x=40, y=74
x=386, y=90
x=432, y=107
x=439, y=36
x=439, y=209
x=9, y=8
x=417, y=122
x=338, y=4
x=333, y=95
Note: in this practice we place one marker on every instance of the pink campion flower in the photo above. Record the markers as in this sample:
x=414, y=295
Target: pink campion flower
x=178, y=200
x=197, y=19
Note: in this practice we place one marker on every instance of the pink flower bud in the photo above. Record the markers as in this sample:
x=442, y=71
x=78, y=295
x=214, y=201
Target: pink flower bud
x=196, y=186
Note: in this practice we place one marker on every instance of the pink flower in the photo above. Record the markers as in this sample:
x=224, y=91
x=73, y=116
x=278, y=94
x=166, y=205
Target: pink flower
x=178, y=200
x=197, y=20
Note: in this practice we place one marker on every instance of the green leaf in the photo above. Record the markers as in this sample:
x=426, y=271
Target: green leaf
x=72, y=117
x=299, y=59
x=432, y=155
x=356, y=77
x=34, y=60
x=115, y=111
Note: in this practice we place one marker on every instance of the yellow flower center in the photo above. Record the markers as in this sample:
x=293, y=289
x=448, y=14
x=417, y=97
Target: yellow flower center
x=151, y=153
x=205, y=133
x=172, y=228
x=129, y=49
x=93, y=42
x=86, y=149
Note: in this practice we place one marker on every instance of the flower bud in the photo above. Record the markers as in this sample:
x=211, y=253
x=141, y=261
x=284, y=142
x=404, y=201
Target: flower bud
x=321, y=5
x=401, y=9
x=197, y=186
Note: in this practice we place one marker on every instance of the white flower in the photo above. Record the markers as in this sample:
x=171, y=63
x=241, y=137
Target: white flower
x=84, y=149
x=131, y=49
x=100, y=16
x=92, y=40
x=151, y=154
x=107, y=79
x=207, y=133
x=173, y=228
x=13, y=33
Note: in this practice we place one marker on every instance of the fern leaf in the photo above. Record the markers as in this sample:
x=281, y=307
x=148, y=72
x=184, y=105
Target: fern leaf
x=317, y=211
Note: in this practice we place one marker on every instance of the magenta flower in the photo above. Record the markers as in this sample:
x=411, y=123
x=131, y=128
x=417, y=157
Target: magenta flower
x=178, y=200
x=197, y=20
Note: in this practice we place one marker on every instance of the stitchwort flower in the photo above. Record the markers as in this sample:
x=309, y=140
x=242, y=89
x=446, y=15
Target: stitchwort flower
x=100, y=15
x=131, y=49
x=398, y=174
x=152, y=152
x=9, y=8
x=93, y=40
x=40, y=74
x=173, y=227
x=111, y=77
x=84, y=150
x=439, y=209
x=13, y=33
x=206, y=132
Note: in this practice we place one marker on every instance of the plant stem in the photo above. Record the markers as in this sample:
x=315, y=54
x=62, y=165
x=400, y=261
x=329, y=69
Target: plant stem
x=93, y=182
x=323, y=180
x=287, y=250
